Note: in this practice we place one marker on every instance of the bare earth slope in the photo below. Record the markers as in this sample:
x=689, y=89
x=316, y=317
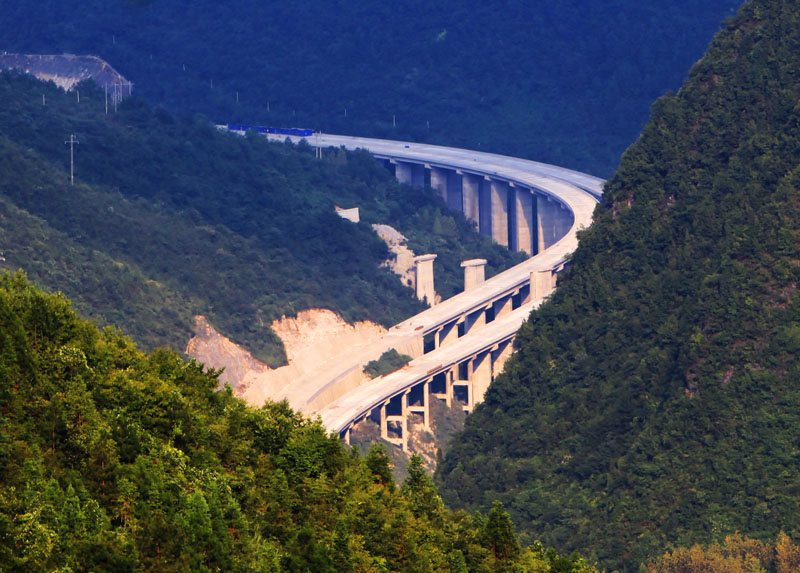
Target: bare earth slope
x=310, y=338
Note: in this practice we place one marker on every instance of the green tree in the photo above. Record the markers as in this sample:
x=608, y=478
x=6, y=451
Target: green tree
x=499, y=534
x=380, y=465
x=419, y=490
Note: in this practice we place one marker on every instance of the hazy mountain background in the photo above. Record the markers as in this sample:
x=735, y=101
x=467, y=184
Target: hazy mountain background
x=565, y=82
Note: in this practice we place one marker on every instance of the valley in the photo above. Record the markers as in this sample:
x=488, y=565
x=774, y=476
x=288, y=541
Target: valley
x=599, y=375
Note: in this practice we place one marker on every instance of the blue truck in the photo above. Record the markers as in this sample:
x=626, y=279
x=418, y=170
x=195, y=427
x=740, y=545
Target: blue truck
x=296, y=131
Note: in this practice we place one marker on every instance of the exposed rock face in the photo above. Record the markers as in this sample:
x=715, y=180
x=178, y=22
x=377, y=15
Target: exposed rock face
x=403, y=263
x=68, y=70
x=310, y=339
x=319, y=333
x=214, y=350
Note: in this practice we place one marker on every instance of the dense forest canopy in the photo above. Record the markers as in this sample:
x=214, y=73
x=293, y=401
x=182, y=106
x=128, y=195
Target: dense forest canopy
x=115, y=460
x=170, y=217
x=654, y=401
x=565, y=82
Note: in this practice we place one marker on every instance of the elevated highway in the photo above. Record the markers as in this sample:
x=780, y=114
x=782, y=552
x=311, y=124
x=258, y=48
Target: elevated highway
x=459, y=345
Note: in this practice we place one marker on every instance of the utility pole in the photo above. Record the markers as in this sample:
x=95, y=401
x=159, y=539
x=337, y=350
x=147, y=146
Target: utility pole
x=106, y=99
x=72, y=141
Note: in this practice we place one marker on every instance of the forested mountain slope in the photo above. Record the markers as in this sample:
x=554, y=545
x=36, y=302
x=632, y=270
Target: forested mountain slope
x=115, y=460
x=655, y=400
x=565, y=82
x=170, y=217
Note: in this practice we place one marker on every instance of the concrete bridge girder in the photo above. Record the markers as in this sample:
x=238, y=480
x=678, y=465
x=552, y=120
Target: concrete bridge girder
x=480, y=370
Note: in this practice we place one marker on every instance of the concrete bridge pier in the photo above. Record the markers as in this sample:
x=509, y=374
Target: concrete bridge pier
x=425, y=409
x=485, y=202
x=439, y=181
x=382, y=422
x=541, y=283
x=418, y=402
x=417, y=175
x=447, y=334
x=470, y=406
x=423, y=267
x=525, y=222
x=553, y=221
x=402, y=171
x=455, y=198
x=475, y=319
x=397, y=422
x=465, y=382
x=409, y=173
x=404, y=423
x=498, y=211
x=481, y=375
x=450, y=394
x=470, y=196
x=465, y=385
x=474, y=273
x=503, y=306
x=500, y=355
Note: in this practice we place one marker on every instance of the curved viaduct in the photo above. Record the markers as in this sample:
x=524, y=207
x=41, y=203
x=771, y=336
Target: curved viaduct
x=460, y=344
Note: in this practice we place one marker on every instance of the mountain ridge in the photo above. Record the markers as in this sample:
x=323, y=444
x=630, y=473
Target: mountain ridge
x=646, y=401
x=567, y=83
